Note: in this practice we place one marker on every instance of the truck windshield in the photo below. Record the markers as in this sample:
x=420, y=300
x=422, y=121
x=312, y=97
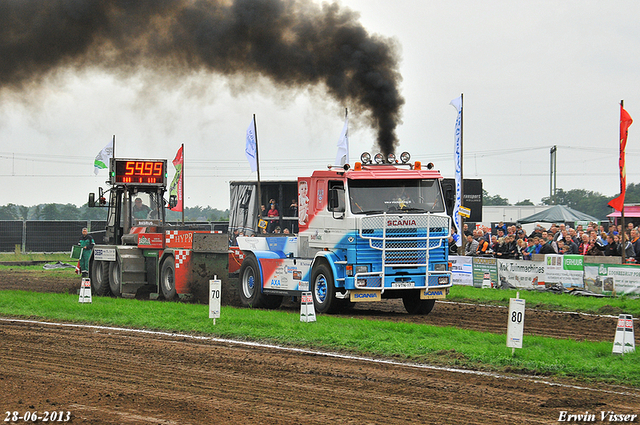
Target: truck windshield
x=378, y=196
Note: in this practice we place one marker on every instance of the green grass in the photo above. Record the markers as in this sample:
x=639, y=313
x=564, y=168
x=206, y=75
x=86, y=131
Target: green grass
x=539, y=300
x=38, y=268
x=547, y=300
x=36, y=257
x=590, y=361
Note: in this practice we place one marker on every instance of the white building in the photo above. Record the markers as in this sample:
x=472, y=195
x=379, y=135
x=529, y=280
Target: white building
x=509, y=213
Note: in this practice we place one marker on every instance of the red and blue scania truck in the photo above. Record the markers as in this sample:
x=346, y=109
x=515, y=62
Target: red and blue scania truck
x=376, y=231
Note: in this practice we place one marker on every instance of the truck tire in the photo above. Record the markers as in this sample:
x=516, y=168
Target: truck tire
x=323, y=290
x=100, y=278
x=251, y=286
x=168, y=279
x=414, y=305
x=114, y=278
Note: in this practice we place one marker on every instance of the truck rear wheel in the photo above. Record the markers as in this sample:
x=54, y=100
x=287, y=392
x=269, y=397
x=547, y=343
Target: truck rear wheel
x=323, y=289
x=414, y=305
x=114, y=278
x=168, y=278
x=100, y=278
x=251, y=286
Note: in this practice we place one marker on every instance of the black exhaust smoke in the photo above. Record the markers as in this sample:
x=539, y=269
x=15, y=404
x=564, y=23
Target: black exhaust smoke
x=294, y=43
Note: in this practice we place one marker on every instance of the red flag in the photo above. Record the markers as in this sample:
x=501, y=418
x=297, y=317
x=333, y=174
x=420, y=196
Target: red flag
x=176, y=184
x=625, y=121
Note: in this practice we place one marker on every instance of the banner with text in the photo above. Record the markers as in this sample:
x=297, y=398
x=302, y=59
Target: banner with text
x=482, y=265
x=461, y=270
x=604, y=278
x=564, y=269
x=521, y=273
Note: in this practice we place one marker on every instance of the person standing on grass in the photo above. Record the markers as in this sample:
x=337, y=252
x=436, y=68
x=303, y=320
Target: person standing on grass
x=86, y=242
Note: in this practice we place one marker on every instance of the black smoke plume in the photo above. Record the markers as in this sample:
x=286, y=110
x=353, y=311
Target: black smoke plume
x=294, y=43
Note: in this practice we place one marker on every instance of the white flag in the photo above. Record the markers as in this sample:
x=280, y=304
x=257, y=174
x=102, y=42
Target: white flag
x=250, y=148
x=102, y=159
x=343, y=144
x=457, y=140
x=457, y=103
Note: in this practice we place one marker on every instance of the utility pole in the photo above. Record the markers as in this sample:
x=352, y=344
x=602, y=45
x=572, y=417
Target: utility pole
x=552, y=175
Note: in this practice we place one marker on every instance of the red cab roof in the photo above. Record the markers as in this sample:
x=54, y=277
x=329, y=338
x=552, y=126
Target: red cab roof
x=379, y=172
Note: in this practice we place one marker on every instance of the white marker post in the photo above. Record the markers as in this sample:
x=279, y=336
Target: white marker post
x=307, y=311
x=515, y=324
x=486, y=281
x=85, y=291
x=624, y=341
x=215, y=292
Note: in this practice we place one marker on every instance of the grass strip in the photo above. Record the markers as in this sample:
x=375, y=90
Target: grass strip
x=548, y=300
x=29, y=256
x=590, y=361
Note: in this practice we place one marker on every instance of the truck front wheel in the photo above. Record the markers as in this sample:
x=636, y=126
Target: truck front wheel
x=414, y=305
x=323, y=289
x=168, y=279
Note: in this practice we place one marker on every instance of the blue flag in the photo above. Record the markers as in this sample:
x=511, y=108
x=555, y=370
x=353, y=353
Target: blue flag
x=250, y=149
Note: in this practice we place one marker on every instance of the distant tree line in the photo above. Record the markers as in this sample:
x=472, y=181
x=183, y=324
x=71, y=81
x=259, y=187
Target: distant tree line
x=589, y=202
x=586, y=201
x=72, y=212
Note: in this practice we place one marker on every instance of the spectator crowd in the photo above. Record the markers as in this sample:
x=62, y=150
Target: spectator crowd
x=512, y=241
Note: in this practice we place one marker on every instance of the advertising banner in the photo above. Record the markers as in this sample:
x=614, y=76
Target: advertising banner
x=521, y=273
x=564, y=269
x=461, y=270
x=605, y=278
x=482, y=265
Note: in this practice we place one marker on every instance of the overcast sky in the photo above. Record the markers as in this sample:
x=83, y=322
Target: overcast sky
x=534, y=74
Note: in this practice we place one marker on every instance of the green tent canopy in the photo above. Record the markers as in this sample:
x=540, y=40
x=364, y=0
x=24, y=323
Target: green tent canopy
x=558, y=214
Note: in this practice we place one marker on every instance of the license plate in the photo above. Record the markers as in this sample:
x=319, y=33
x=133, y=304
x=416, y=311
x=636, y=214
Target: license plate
x=403, y=284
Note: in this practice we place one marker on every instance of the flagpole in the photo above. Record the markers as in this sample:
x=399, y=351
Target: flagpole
x=622, y=189
x=463, y=247
x=255, y=132
x=182, y=185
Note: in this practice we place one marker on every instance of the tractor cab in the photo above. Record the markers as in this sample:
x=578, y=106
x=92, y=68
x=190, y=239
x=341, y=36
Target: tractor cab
x=136, y=199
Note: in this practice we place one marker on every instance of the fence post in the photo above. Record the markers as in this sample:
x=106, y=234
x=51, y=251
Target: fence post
x=24, y=236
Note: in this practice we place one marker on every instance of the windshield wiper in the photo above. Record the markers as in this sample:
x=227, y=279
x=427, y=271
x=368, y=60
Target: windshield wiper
x=412, y=209
x=372, y=212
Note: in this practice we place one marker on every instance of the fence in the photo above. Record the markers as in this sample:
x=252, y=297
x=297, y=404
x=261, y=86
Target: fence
x=60, y=235
x=597, y=274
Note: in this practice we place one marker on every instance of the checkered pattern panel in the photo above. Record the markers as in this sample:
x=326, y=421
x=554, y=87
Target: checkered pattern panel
x=181, y=256
x=170, y=235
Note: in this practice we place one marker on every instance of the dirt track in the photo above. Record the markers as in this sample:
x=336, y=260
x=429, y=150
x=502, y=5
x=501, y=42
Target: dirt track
x=116, y=376
x=111, y=376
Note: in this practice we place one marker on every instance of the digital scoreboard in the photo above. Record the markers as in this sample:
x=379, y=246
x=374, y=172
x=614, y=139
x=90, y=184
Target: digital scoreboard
x=138, y=172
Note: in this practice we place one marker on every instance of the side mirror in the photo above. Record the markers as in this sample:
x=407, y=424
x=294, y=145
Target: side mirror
x=101, y=199
x=173, y=201
x=92, y=200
